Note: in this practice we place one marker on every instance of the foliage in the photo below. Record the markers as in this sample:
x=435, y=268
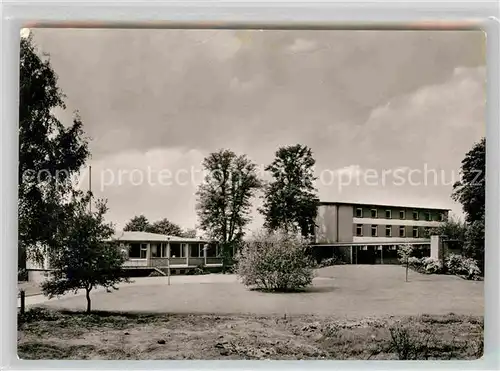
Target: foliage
x=224, y=198
x=474, y=242
x=454, y=264
x=328, y=262
x=50, y=155
x=464, y=267
x=409, y=344
x=290, y=200
x=164, y=226
x=138, y=224
x=453, y=229
x=404, y=253
x=470, y=190
x=275, y=261
x=87, y=258
x=432, y=265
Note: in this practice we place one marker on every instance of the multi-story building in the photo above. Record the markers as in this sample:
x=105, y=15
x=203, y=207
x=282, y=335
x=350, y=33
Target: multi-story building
x=370, y=233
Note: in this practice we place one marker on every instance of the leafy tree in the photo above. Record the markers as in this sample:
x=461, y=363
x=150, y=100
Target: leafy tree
x=405, y=251
x=189, y=233
x=165, y=226
x=138, y=224
x=50, y=155
x=474, y=242
x=87, y=258
x=470, y=189
x=453, y=229
x=290, y=200
x=276, y=261
x=470, y=192
x=224, y=198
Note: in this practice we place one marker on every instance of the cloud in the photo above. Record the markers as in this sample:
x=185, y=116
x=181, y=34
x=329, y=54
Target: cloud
x=159, y=183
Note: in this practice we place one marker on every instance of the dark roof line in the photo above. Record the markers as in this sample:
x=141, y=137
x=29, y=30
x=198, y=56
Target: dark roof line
x=382, y=205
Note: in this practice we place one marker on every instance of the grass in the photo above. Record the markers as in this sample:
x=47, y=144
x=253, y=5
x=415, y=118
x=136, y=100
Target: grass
x=50, y=334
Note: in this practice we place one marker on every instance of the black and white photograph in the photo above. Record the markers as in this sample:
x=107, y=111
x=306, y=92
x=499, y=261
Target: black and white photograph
x=251, y=194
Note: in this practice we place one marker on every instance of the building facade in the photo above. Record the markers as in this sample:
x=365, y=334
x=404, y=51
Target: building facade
x=152, y=250
x=362, y=233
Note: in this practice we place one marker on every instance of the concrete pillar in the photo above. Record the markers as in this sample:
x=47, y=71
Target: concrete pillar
x=187, y=248
x=438, y=248
x=148, y=254
x=351, y=254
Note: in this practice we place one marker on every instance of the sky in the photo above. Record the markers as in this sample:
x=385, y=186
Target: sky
x=379, y=109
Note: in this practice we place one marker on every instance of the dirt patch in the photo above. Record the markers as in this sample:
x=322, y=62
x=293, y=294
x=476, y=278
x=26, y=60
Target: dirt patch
x=47, y=334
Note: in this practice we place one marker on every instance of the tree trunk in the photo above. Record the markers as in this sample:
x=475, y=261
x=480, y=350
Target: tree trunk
x=87, y=294
x=407, y=266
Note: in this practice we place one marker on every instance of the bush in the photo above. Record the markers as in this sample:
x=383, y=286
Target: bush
x=463, y=267
x=408, y=343
x=328, y=262
x=432, y=266
x=415, y=263
x=275, y=261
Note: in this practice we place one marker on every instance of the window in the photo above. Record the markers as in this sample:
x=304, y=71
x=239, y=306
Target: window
x=415, y=215
x=373, y=213
x=359, y=212
x=401, y=231
x=144, y=251
x=428, y=216
x=196, y=250
x=401, y=214
x=415, y=232
x=135, y=251
x=154, y=251
x=212, y=250
x=388, y=231
x=176, y=250
x=359, y=229
x=388, y=214
x=374, y=231
x=442, y=217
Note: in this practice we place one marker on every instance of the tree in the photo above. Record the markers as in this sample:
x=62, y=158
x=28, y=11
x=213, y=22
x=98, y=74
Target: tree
x=50, y=155
x=474, y=242
x=290, y=200
x=165, y=226
x=404, y=252
x=275, y=261
x=453, y=229
x=470, y=189
x=138, y=224
x=470, y=192
x=189, y=233
x=88, y=257
x=224, y=198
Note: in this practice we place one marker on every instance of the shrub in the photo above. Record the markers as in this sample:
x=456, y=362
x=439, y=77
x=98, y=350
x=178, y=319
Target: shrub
x=415, y=263
x=408, y=343
x=463, y=267
x=275, y=261
x=432, y=266
x=328, y=262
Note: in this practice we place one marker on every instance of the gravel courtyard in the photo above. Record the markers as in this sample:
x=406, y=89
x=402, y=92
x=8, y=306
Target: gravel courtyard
x=348, y=291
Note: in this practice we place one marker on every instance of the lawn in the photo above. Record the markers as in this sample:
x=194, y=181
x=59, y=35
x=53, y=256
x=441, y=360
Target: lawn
x=346, y=314
x=352, y=291
x=58, y=335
